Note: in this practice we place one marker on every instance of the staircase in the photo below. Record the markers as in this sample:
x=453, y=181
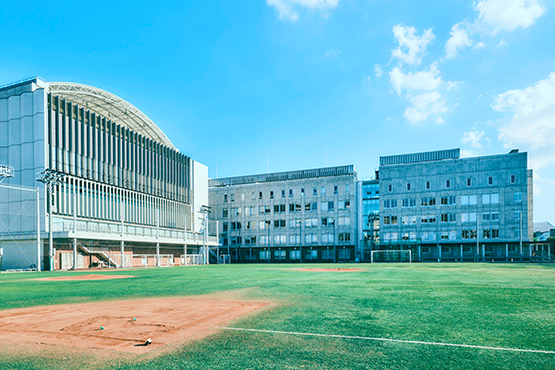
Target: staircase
x=100, y=254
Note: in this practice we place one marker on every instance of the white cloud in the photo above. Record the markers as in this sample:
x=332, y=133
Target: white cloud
x=508, y=15
x=531, y=121
x=459, y=40
x=493, y=16
x=378, y=70
x=411, y=46
x=425, y=90
x=424, y=105
x=474, y=138
x=427, y=80
x=288, y=9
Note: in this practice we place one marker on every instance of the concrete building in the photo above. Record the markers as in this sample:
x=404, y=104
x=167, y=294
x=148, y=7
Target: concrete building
x=296, y=216
x=121, y=194
x=447, y=208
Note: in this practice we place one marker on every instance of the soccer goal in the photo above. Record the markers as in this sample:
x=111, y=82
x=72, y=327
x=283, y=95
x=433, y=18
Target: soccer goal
x=192, y=259
x=391, y=256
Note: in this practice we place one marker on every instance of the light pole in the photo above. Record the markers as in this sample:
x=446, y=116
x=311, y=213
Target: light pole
x=50, y=178
x=205, y=210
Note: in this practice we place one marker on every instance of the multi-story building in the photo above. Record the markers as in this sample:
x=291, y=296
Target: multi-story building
x=118, y=183
x=448, y=208
x=296, y=216
x=369, y=226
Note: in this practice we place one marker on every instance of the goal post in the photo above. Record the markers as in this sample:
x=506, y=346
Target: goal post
x=391, y=256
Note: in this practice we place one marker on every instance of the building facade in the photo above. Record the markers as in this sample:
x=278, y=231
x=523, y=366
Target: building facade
x=296, y=216
x=447, y=208
x=369, y=226
x=121, y=185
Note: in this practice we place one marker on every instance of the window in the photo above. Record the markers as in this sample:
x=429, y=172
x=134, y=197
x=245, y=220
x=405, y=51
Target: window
x=495, y=233
x=271, y=194
x=408, y=186
x=323, y=190
x=390, y=203
x=267, y=209
x=347, y=189
x=307, y=206
x=324, y=206
x=291, y=207
x=290, y=193
x=324, y=221
x=344, y=221
x=494, y=198
x=409, y=202
x=347, y=204
x=444, y=235
x=330, y=205
x=295, y=239
x=428, y=185
x=314, y=206
x=468, y=181
x=513, y=179
x=225, y=197
x=225, y=227
x=259, y=195
x=448, y=200
x=447, y=184
x=314, y=191
x=490, y=180
x=517, y=197
x=294, y=255
x=428, y=201
x=231, y=197
x=495, y=216
x=283, y=193
x=486, y=217
x=302, y=192
x=386, y=220
x=390, y=188
x=294, y=224
x=517, y=215
x=344, y=237
x=486, y=234
x=335, y=191
x=452, y=235
x=224, y=212
x=264, y=255
x=276, y=208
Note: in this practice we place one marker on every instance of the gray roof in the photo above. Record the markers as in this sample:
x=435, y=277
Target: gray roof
x=542, y=227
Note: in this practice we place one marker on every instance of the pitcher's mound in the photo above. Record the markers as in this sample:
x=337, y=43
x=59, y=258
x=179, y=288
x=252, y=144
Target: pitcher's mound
x=122, y=325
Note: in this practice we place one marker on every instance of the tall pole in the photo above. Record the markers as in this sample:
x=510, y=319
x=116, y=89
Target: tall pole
x=50, y=235
x=158, y=237
x=478, y=237
x=520, y=219
x=38, y=230
x=334, y=244
x=122, y=215
x=74, y=230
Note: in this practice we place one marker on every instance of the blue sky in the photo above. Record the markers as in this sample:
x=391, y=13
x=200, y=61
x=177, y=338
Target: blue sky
x=289, y=84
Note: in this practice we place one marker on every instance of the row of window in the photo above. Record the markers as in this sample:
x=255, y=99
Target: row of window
x=465, y=200
x=291, y=193
x=309, y=254
x=445, y=217
x=447, y=185
x=466, y=249
x=293, y=208
x=283, y=240
x=293, y=224
x=444, y=235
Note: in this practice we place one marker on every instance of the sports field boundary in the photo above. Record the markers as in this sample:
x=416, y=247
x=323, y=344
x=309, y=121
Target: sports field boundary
x=389, y=340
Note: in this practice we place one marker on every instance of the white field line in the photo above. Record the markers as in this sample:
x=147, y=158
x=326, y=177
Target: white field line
x=390, y=340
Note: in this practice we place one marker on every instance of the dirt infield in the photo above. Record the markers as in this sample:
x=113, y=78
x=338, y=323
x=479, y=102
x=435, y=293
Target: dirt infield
x=122, y=325
x=330, y=269
x=85, y=277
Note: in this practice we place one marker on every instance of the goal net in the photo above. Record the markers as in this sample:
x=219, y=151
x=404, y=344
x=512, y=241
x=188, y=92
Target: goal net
x=192, y=259
x=391, y=256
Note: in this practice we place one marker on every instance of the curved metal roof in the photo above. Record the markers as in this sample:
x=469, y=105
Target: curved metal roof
x=112, y=107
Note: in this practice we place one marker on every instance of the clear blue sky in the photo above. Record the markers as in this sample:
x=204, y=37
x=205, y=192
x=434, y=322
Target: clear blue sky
x=235, y=83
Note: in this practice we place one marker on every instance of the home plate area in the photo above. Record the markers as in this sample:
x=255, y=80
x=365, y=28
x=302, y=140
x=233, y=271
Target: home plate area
x=122, y=325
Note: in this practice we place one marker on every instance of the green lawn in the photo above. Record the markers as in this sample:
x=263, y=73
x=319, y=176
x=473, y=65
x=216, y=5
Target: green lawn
x=496, y=305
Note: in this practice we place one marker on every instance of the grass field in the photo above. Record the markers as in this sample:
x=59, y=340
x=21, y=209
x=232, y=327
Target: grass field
x=493, y=305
